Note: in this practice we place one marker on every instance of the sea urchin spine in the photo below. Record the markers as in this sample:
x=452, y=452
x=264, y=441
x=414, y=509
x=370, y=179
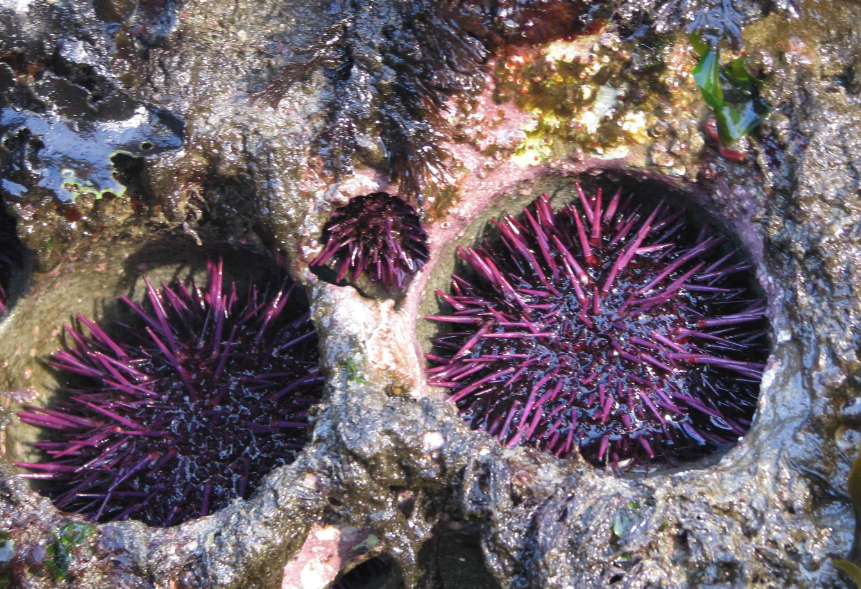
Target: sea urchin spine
x=603, y=327
x=180, y=417
x=379, y=234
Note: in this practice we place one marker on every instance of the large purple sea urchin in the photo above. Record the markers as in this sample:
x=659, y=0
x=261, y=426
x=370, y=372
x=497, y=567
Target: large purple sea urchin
x=377, y=233
x=605, y=327
x=185, y=414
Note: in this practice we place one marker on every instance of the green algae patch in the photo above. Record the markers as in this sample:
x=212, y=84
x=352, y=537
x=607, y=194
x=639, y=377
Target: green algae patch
x=64, y=541
x=730, y=90
x=354, y=372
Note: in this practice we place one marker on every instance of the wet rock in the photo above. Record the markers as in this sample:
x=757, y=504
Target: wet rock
x=83, y=82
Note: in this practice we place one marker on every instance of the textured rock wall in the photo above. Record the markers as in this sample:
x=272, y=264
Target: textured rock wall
x=389, y=459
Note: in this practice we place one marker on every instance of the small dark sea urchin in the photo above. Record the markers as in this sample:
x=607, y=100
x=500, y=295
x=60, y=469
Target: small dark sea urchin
x=185, y=414
x=377, y=233
x=605, y=328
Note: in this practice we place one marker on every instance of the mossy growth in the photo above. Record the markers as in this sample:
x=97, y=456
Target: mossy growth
x=594, y=95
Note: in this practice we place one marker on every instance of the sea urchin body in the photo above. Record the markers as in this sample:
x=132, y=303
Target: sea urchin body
x=377, y=233
x=185, y=414
x=606, y=328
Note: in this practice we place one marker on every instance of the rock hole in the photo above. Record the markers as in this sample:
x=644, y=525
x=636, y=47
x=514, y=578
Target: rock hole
x=406, y=500
x=375, y=573
x=453, y=559
x=571, y=335
x=484, y=483
x=133, y=394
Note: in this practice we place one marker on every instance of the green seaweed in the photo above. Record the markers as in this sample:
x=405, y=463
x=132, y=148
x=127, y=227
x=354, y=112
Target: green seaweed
x=730, y=90
x=735, y=122
x=626, y=518
x=63, y=542
x=707, y=76
x=850, y=565
x=736, y=71
x=353, y=372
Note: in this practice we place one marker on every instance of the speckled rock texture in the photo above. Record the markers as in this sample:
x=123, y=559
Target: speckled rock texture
x=142, y=136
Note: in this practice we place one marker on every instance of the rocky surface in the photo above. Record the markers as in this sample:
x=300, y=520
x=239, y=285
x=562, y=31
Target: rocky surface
x=141, y=136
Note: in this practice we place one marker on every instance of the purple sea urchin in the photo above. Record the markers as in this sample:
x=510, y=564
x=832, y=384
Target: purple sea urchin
x=184, y=415
x=378, y=233
x=606, y=328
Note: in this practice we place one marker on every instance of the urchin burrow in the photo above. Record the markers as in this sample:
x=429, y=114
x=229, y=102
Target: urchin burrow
x=613, y=326
x=183, y=408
